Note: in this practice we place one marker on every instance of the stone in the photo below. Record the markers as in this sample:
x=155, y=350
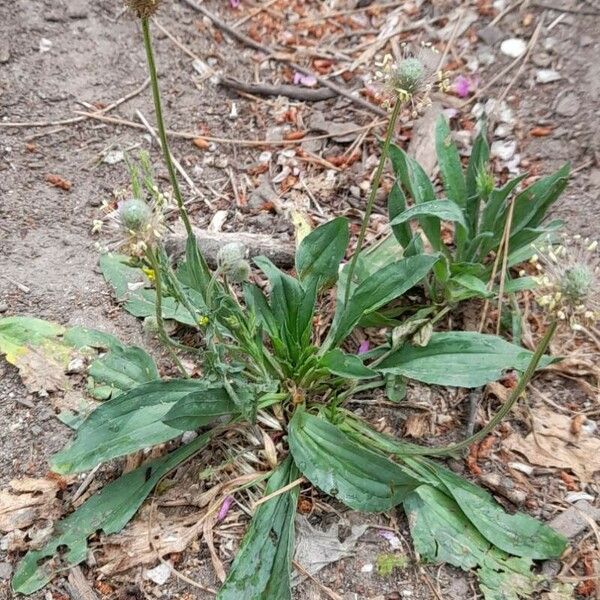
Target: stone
x=573, y=521
x=491, y=35
x=160, y=574
x=5, y=570
x=504, y=150
x=547, y=75
x=567, y=105
x=3, y=307
x=513, y=47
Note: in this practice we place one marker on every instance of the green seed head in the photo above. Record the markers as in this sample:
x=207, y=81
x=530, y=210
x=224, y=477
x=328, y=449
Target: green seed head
x=409, y=75
x=231, y=260
x=577, y=283
x=135, y=214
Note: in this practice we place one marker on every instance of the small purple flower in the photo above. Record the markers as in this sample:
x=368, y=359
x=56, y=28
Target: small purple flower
x=307, y=80
x=224, y=508
x=463, y=86
x=235, y=3
x=363, y=348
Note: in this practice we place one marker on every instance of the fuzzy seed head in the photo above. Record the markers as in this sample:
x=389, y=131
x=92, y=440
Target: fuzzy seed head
x=143, y=8
x=484, y=181
x=135, y=214
x=232, y=262
x=569, y=280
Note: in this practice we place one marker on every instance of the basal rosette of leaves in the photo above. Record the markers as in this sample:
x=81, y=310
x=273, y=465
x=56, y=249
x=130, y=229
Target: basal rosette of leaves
x=259, y=352
x=262, y=355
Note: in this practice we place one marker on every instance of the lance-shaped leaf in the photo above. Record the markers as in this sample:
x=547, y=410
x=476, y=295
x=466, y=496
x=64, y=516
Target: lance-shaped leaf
x=416, y=182
x=122, y=367
x=442, y=533
x=128, y=283
x=346, y=365
x=262, y=567
x=446, y=210
x=450, y=165
x=133, y=421
x=108, y=511
x=197, y=409
x=459, y=358
x=320, y=253
x=344, y=469
x=380, y=288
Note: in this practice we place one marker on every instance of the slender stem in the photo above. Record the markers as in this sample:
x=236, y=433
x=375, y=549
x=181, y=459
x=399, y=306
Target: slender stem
x=371, y=201
x=162, y=333
x=161, y=126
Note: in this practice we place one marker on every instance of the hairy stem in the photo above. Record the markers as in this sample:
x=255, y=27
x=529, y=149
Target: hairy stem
x=162, y=333
x=161, y=125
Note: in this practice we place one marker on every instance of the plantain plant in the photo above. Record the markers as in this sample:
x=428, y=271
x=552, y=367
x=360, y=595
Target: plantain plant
x=262, y=357
x=481, y=213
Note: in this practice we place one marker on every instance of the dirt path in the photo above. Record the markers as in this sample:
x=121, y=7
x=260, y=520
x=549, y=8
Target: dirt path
x=91, y=54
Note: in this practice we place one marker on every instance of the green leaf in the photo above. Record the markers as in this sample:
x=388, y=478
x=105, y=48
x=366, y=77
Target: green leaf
x=380, y=288
x=517, y=534
x=320, y=253
x=124, y=368
x=446, y=210
x=417, y=184
x=459, y=358
x=35, y=348
x=469, y=286
x=199, y=275
x=200, y=408
x=493, y=216
x=124, y=424
x=262, y=567
x=257, y=303
x=396, y=206
x=139, y=301
x=532, y=204
x=442, y=533
x=342, y=468
x=108, y=511
x=478, y=162
x=346, y=365
x=450, y=165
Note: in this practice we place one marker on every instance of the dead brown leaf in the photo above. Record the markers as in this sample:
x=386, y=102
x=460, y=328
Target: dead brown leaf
x=552, y=444
x=132, y=547
x=29, y=500
x=59, y=182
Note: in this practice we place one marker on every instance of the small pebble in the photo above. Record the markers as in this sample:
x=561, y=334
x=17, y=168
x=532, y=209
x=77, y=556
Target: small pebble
x=160, y=574
x=76, y=366
x=3, y=307
x=5, y=570
x=504, y=150
x=547, y=75
x=513, y=47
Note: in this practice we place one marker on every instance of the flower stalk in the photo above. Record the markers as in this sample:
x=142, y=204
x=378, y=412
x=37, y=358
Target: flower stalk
x=162, y=134
x=372, y=196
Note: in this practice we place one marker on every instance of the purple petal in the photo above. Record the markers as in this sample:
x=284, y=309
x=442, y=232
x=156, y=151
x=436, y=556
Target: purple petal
x=234, y=3
x=463, y=86
x=224, y=508
x=307, y=80
x=363, y=348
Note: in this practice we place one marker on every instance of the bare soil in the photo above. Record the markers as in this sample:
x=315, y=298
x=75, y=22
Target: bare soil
x=48, y=258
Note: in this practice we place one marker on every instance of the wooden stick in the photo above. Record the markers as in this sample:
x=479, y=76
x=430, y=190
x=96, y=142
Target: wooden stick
x=84, y=116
